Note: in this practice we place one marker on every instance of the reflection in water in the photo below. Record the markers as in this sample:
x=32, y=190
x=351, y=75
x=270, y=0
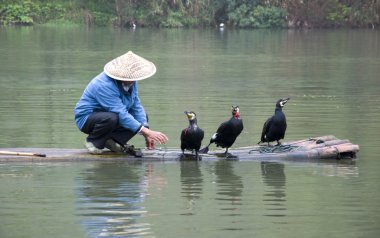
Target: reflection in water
x=110, y=197
x=274, y=177
x=229, y=195
x=192, y=181
x=230, y=185
x=337, y=170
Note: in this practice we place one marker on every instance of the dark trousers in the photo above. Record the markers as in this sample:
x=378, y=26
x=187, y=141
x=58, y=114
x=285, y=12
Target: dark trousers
x=101, y=126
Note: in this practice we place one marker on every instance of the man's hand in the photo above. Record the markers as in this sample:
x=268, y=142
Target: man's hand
x=153, y=137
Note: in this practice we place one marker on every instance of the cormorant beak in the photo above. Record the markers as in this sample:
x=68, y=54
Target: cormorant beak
x=283, y=101
x=235, y=110
x=189, y=115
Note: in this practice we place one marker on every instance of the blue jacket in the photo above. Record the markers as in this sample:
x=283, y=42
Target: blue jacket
x=107, y=95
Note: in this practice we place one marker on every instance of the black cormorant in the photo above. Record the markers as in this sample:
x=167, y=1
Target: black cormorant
x=192, y=136
x=275, y=126
x=227, y=132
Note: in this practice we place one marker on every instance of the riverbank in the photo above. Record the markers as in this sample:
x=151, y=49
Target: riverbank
x=203, y=13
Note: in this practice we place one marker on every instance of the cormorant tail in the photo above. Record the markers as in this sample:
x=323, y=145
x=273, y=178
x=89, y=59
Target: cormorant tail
x=204, y=150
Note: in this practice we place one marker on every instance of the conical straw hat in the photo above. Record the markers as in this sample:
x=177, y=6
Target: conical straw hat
x=130, y=67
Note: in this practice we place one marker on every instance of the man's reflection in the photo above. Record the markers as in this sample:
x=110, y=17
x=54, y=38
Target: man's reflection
x=110, y=195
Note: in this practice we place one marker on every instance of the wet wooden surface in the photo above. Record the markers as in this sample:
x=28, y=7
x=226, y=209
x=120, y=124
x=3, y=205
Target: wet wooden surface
x=311, y=149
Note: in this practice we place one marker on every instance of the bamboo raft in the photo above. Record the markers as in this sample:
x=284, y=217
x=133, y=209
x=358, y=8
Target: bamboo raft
x=326, y=148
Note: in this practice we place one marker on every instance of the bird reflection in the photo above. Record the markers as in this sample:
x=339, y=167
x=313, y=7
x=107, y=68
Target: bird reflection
x=108, y=198
x=230, y=185
x=191, y=181
x=274, y=177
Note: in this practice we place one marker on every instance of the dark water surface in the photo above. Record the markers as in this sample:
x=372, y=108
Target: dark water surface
x=332, y=78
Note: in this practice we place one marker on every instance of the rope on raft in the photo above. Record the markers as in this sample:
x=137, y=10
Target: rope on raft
x=283, y=148
x=275, y=149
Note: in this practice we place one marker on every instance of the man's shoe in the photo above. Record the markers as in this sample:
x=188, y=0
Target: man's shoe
x=131, y=150
x=92, y=149
x=113, y=146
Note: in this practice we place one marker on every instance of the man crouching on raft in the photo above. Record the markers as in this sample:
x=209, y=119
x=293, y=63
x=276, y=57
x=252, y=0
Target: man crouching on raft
x=110, y=111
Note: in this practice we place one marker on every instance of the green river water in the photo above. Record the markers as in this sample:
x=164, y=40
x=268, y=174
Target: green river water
x=331, y=76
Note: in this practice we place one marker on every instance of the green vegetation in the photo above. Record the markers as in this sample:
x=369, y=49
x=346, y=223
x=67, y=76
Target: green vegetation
x=194, y=13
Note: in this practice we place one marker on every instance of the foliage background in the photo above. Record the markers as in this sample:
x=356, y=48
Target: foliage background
x=194, y=13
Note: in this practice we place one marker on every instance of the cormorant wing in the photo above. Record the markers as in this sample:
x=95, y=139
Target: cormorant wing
x=266, y=127
x=183, y=133
x=285, y=126
x=222, y=127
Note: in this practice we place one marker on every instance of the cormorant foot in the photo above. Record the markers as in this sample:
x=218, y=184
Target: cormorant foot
x=190, y=157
